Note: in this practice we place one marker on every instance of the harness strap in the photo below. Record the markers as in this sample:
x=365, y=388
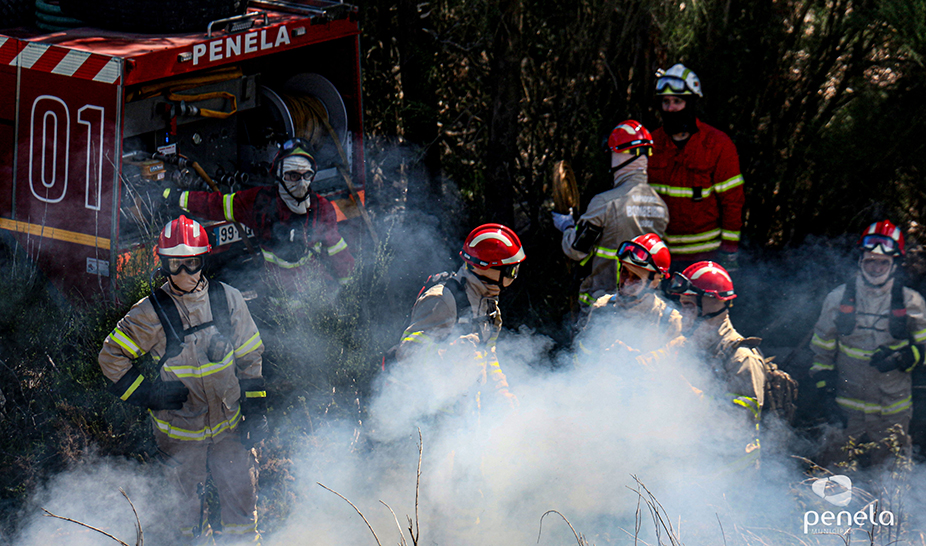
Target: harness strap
x=169, y=316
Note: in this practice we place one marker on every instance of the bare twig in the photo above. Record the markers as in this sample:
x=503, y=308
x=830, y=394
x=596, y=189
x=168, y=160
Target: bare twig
x=82, y=524
x=399, y=527
x=579, y=539
x=139, y=535
x=355, y=508
x=417, y=531
x=722, y=534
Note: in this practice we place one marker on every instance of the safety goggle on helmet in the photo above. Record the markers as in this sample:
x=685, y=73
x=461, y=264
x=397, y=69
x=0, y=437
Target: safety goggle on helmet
x=647, y=252
x=182, y=245
x=678, y=80
x=294, y=146
x=883, y=238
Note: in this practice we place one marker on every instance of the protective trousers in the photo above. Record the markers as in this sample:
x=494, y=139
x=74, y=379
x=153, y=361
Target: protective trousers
x=234, y=471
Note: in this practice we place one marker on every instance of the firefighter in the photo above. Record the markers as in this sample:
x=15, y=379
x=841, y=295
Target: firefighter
x=695, y=168
x=296, y=227
x=628, y=209
x=706, y=293
x=869, y=337
x=462, y=308
x=209, y=397
x=643, y=262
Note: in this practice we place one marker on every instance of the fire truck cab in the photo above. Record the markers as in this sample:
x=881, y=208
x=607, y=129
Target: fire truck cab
x=95, y=124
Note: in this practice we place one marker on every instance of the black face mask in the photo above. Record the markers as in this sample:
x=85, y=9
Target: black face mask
x=682, y=121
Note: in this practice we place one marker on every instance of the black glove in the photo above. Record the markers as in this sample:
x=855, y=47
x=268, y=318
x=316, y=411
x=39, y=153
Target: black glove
x=253, y=396
x=906, y=358
x=155, y=395
x=167, y=395
x=254, y=429
x=825, y=381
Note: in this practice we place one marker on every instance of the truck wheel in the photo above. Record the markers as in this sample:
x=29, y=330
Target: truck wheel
x=152, y=16
x=15, y=13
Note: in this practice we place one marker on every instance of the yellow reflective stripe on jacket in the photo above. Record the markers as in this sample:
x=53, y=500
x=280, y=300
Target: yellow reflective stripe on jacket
x=280, y=262
x=606, y=253
x=819, y=366
x=675, y=191
x=748, y=402
x=694, y=248
x=122, y=339
x=254, y=342
x=729, y=184
x=337, y=247
x=255, y=394
x=693, y=237
x=920, y=336
x=131, y=390
x=201, y=371
x=825, y=344
x=195, y=435
x=417, y=337
x=239, y=529
x=727, y=235
x=871, y=408
x=586, y=299
x=228, y=207
x=852, y=352
x=184, y=201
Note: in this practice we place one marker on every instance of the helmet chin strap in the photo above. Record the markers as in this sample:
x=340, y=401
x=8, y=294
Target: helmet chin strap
x=624, y=164
x=702, y=317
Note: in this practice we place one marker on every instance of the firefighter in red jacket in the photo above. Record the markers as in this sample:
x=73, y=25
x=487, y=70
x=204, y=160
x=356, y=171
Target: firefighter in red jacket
x=297, y=228
x=696, y=170
x=209, y=395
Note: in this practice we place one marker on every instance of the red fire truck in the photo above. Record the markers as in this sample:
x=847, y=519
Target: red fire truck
x=95, y=123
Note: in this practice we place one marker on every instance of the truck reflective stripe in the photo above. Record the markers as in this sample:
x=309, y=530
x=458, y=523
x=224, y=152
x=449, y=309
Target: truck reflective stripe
x=54, y=233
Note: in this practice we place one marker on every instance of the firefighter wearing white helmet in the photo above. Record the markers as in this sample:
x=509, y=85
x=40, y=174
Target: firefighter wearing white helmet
x=695, y=168
x=640, y=318
x=461, y=309
x=208, y=397
x=630, y=208
x=869, y=337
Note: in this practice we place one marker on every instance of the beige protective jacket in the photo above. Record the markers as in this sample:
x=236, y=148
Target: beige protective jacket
x=740, y=367
x=629, y=209
x=212, y=408
x=649, y=314
x=435, y=324
x=861, y=387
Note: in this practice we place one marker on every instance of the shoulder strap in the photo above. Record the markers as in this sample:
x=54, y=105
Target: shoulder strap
x=898, y=320
x=170, y=321
x=221, y=314
x=457, y=287
x=845, y=321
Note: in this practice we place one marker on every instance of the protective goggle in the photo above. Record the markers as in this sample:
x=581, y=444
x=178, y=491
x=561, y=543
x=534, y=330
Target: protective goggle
x=636, y=254
x=872, y=242
x=509, y=271
x=673, y=84
x=191, y=265
x=296, y=176
x=680, y=284
x=294, y=143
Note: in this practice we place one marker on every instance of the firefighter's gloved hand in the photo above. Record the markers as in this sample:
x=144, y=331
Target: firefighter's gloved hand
x=167, y=395
x=563, y=221
x=253, y=399
x=886, y=359
x=826, y=387
x=171, y=198
x=728, y=260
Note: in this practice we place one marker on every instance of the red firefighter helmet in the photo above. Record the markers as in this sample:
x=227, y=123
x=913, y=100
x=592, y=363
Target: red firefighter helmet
x=183, y=238
x=703, y=279
x=631, y=137
x=882, y=238
x=492, y=245
x=646, y=251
